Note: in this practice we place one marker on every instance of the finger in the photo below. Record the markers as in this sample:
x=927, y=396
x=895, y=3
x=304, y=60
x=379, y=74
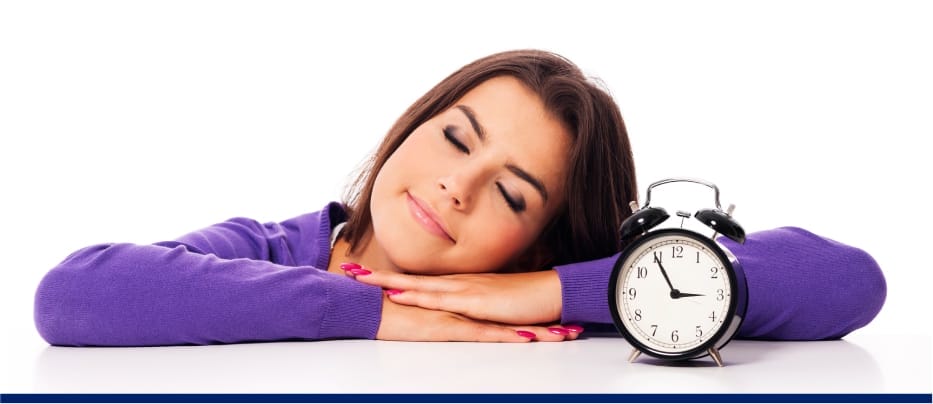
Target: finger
x=450, y=302
x=550, y=334
x=351, y=269
x=394, y=280
x=540, y=333
x=557, y=332
x=575, y=330
x=472, y=331
x=570, y=331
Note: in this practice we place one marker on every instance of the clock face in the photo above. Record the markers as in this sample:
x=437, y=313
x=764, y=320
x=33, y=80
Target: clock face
x=673, y=293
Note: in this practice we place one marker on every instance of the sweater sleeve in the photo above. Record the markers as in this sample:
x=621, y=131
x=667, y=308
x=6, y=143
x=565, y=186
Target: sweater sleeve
x=233, y=282
x=801, y=286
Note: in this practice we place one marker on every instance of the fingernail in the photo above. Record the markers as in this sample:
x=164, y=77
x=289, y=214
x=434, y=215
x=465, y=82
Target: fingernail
x=558, y=331
x=346, y=266
x=526, y=334
x=392, y=292
x=573, y=328
x=359, y=271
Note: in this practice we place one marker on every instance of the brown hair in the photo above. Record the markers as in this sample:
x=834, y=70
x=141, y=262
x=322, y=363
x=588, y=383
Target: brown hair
x=601, y=175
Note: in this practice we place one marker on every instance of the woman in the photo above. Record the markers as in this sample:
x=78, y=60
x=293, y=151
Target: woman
x=490, y=171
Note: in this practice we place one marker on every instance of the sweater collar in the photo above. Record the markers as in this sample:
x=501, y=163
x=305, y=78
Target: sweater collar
x=332, y=214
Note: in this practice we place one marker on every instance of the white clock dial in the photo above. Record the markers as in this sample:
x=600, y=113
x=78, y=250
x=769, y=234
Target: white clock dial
x=673, y=293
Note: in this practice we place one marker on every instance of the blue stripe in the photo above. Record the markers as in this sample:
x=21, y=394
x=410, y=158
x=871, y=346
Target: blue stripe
x=465, y=398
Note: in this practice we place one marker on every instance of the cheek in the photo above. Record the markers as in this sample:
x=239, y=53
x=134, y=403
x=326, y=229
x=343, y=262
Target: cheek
x=410, y=161
x=501, y=243
x=395, y=171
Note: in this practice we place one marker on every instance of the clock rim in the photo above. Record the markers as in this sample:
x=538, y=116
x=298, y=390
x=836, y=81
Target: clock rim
x=735, y=312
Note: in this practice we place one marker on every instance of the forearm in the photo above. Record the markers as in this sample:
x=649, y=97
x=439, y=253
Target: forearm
x=585, y=291
x=805, y=287
x=801, y=287
x=132, y=295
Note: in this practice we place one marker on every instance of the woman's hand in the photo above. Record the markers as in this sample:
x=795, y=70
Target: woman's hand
x=520, y=298
x=409, y=323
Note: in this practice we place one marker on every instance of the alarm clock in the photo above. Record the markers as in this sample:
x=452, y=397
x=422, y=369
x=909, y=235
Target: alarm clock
x=674, y=293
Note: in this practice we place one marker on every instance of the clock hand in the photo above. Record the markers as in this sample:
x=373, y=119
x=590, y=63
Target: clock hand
x=681, y=294
x=674, y=292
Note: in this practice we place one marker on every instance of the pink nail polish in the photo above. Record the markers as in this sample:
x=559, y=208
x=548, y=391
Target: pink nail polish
x=526, y=334
x=392, y=292
x=558, y=331
x=346, y=266
x=360, y=271
x=573, y=328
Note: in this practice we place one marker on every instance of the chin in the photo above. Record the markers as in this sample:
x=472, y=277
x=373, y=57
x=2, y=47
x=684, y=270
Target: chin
x=434, y=265
x=409, y=259
x=403, y=250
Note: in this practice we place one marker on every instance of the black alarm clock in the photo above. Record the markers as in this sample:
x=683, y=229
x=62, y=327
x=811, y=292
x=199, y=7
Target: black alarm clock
x=676, y=294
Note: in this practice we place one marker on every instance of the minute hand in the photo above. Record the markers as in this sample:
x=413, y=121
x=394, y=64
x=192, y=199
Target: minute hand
x=666, y=278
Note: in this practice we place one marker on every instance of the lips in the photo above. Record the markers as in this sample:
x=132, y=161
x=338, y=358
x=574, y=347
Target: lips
x=426, y=217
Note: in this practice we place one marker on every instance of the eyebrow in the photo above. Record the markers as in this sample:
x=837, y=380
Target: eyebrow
x=518, y=171
x=536, y=183
x=480, y=131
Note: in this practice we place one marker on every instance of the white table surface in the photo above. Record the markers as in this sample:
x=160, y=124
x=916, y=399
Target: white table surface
x=866, y=364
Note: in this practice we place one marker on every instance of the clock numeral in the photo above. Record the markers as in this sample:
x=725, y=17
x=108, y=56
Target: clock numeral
x=637, y=314
x=699, y=332
x=632, y=292
x=712, y=316
x=657, y=257
x=677, y=251
x=642, y=272
x=654, y=329
x=719, y=294
x=674, y=336
x=714, y=273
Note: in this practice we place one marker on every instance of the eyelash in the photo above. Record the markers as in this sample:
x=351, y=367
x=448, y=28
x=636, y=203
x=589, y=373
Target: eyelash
x=516, y=206
x=448, y=133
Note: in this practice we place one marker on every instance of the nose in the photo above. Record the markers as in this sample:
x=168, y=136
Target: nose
x=454, y=192
x=460, y=186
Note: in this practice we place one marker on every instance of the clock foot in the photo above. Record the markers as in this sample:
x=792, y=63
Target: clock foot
x=634, y=355
x=715, y=355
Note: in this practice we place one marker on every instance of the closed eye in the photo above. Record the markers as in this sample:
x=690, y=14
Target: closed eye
x=449, y=135
x=517, y=205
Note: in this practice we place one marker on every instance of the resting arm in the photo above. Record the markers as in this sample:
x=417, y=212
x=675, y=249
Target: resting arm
x=801, y=286
x=233, y=282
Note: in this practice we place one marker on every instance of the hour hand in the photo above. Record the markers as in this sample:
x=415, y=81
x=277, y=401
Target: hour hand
x=682, y=294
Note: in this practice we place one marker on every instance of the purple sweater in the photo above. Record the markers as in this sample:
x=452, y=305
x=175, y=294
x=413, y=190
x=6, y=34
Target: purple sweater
x=241, y=280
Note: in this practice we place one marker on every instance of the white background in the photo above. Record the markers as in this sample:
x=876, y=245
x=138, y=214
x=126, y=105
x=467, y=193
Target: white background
x=140, y=121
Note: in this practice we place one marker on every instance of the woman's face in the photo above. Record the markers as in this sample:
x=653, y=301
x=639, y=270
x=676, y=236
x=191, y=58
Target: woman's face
x=472, y=188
